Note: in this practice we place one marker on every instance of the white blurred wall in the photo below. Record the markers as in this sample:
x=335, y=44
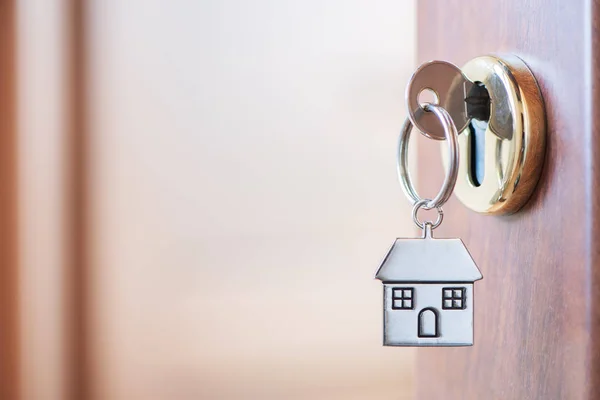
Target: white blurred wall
x=243, y=191
x=42, y=58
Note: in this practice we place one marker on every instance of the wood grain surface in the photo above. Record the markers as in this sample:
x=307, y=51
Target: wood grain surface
x=536, y=309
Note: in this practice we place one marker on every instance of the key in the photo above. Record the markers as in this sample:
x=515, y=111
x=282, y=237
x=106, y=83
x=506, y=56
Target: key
x=450, y=86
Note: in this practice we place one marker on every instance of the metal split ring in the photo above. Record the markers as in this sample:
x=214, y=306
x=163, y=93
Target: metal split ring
x=451, y=135
x=422, y=204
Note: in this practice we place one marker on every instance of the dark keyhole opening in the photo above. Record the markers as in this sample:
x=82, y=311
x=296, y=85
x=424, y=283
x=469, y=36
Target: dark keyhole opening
x=477, y=149
x=479, y=110
x=478, y=102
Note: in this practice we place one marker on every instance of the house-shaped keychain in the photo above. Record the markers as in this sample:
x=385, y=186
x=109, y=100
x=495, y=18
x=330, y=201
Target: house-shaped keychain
x=428, y=292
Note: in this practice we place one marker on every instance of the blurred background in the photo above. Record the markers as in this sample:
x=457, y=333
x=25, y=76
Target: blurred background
x=197, y=195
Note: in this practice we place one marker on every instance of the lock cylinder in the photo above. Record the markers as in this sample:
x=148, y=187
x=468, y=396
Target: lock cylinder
x=506, y=154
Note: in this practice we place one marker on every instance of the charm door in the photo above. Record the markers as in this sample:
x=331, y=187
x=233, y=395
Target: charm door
x=428, y=323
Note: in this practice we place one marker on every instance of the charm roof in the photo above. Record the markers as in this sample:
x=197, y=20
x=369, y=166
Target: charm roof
x=428, y=260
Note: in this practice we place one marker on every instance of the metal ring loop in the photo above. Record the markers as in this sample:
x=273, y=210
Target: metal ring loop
x=422, y=204
x=452, y=171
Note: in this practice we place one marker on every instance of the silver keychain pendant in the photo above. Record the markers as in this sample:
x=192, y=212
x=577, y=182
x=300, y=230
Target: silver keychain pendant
x=428, y=293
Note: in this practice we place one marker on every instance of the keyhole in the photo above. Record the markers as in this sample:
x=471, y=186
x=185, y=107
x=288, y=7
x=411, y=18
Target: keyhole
x=478, y=109
x=477, y=146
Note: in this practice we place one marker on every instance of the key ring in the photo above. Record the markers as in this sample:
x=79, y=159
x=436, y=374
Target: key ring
x=451, y=135
x=421, y=204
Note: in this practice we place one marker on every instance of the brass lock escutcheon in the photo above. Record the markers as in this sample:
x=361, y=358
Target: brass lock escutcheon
x=498, y=110
x=499, y=175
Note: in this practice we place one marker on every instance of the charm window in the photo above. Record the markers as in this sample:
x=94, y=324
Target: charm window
x=453, y=298
x=403, y=299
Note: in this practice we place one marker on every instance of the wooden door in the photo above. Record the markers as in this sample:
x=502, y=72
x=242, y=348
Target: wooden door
x=536, y=316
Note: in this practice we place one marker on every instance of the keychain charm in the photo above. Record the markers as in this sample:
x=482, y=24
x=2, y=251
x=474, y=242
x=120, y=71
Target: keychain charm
x=427, y=282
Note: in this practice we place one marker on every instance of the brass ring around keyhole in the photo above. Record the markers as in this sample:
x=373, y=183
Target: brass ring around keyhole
x=515, y=138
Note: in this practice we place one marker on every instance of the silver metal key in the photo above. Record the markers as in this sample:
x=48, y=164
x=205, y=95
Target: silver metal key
x=450, y=87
